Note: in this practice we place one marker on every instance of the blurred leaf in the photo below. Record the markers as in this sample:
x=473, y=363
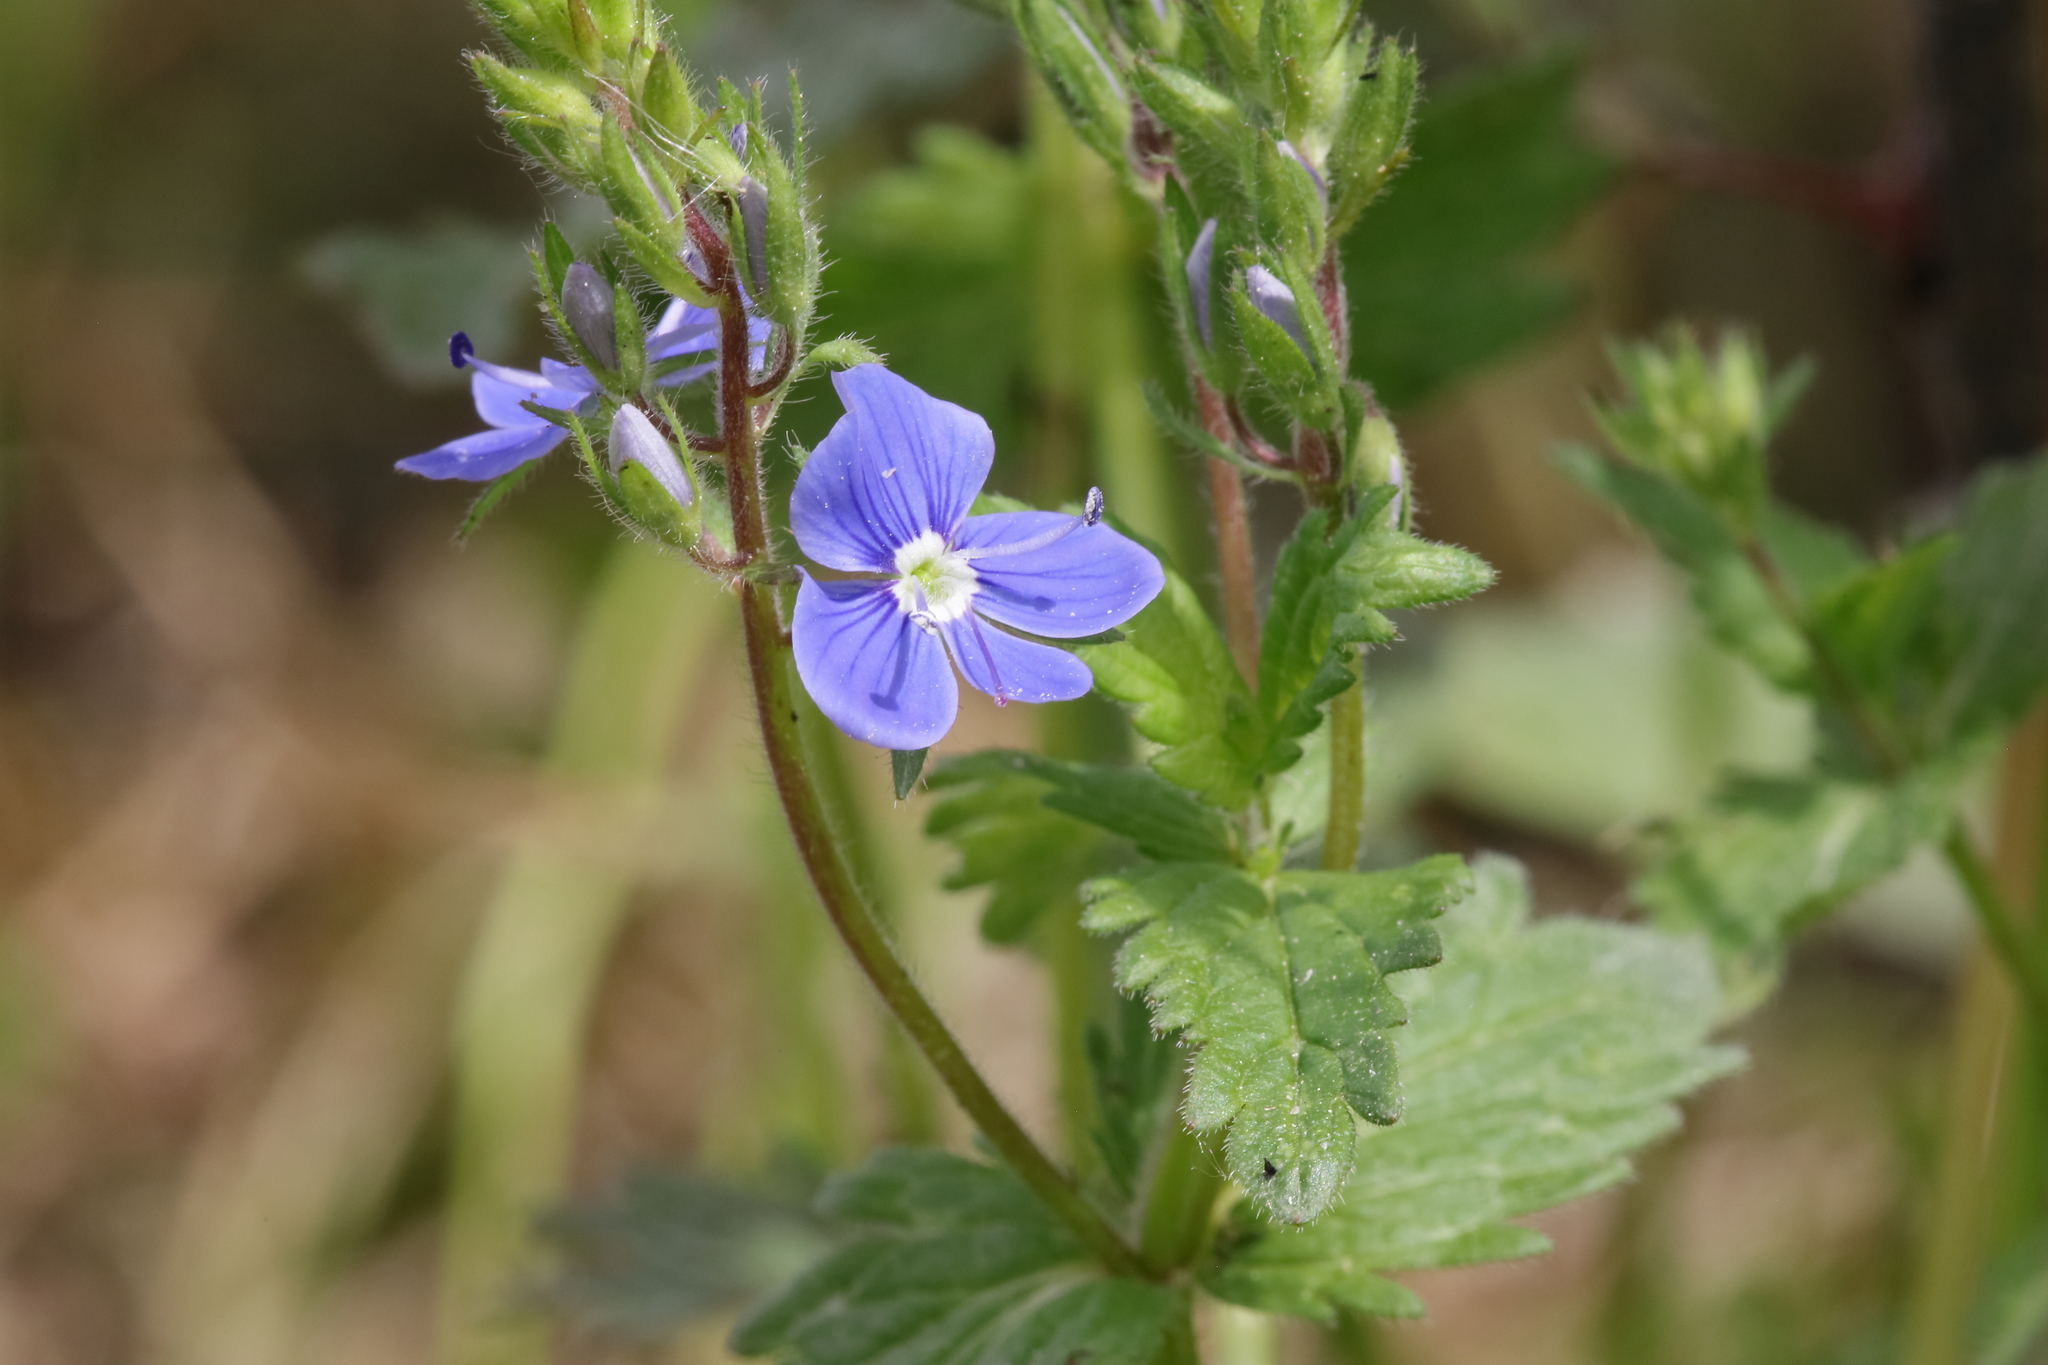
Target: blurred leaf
x=667, y=1248
x=1030, y=857
x=1995, y=601
x=1767, y=854
x=1163, y=821
x=407, y=292
x=1726, y=588
x=956, y=1261
x=931, y=267
x=1284, y=995
x=1440, y=270
x=2011, y=1320
x=1537, y=1058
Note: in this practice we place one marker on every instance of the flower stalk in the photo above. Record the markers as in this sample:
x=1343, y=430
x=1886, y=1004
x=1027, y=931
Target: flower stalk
x=772, y=669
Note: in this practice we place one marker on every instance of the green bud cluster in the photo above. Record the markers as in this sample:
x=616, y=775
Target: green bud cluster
x=1703, y=418
x=1260, y=130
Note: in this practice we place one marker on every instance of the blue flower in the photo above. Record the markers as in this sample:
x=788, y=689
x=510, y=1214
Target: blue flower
x=886, y=494
x=516, y=435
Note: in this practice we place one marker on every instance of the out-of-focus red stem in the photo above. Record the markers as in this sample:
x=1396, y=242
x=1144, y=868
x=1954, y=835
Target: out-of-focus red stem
x=1233, y=540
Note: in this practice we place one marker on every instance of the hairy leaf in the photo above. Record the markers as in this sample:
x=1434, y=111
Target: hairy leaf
x=956, y=1262
x=1029, y=856
x=1538, y=1057
x=1285, y=996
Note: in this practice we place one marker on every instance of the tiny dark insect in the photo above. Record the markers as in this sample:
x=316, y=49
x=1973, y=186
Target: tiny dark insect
x=1371, y=75
x=1271, y=1170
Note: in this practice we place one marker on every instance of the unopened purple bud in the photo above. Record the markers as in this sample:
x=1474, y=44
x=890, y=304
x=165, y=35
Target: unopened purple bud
x=1276, y=301
x=459, y=350
x=1198, y=276
x=736, y=138
x=1287, y=149
x=587, y=303
x=635, y=441
x=754, y=219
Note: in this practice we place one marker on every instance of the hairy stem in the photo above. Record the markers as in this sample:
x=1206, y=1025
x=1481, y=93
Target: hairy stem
x=1347, y=777
x=775, y=698
x=1233, y=541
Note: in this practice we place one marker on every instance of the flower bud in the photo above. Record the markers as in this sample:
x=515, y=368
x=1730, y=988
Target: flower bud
x=587, y=303
x=654, y=488
x=753, y=205
x=1072, y=61
x=1276, y=301
x=1199, y=277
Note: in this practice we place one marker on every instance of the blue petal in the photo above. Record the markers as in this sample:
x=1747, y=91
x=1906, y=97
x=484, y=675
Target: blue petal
x=485, y=455
x=498, y=397
x=571, y=377
x=898, y=464
x=684, y=329
x=686, y=374
x=1011, y=669
x=1085, y=582
x=872, y=672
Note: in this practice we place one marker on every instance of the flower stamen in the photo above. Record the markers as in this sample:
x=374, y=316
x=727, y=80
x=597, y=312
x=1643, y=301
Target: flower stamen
x=1091, y=513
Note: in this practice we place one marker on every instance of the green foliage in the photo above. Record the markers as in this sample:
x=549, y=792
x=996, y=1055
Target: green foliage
x=1538, y=1057
x=1283, y=990
x=1331, y=588
x=1767, y=854
x=1993, y=600
x=1440, y=273
x=954, y=1261
x=1029, y=856
x=668, y=1248
x=1132, y=1070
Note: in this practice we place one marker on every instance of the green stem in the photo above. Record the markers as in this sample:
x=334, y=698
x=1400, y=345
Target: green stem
x=775, y=699
x=1347, y=777
x=2001, y=930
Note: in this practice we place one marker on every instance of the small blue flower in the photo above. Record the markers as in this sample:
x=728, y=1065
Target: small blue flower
x=517, y=435
x=886, y=494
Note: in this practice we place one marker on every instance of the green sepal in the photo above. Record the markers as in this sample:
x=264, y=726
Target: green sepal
x=1076, y=64
x=630, y=336
x=1371, y=144
x=842, y=353
x=1211, y=133
x=648, y=505
x=661, y=258
x=1290, y=216
x=556, y=257
x=790, y=247
x=624, y=186
x=905, y=766
x=549, y=115
x=1287, y=371
x=669, y=104
x=495, y=492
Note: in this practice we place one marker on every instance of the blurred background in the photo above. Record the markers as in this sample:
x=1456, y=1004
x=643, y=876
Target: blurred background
x=361, y=894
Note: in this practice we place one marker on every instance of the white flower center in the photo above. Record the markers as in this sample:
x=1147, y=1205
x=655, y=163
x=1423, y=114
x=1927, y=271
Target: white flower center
x=934, y=583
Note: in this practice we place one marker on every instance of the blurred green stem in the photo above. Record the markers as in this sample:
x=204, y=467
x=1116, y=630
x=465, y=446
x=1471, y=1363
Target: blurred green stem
x=776, y=703
x=525, y=1000
x=1986, y=1114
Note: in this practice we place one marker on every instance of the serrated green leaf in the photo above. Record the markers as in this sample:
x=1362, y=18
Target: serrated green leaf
x=1030, y=857
x=1390, y=570
x=1284, y=994
x=958, y=1262
x=1769, y=853
x=1537, y=1058
x=1298, y=668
